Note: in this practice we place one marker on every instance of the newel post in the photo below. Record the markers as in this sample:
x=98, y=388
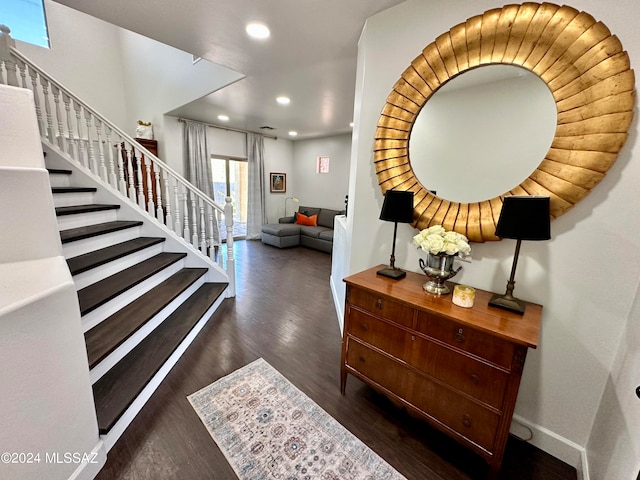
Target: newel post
x=6, y=43
x=231, y=268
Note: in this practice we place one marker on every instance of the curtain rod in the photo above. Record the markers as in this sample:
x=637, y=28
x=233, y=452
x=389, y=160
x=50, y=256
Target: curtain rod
x=184, y=120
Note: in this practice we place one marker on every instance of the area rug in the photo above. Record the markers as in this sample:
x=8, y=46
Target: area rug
x=268, y=429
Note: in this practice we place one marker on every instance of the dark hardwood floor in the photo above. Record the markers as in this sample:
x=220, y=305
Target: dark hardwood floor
x=284, y=313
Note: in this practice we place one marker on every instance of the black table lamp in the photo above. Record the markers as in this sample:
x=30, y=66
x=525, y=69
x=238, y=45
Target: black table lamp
x=522, y=218
x=398, y=208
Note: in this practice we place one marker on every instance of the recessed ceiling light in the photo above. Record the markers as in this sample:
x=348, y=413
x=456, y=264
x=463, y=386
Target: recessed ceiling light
x=293, y=133
x=258, y=30
x=223, y=118
x=283, y=100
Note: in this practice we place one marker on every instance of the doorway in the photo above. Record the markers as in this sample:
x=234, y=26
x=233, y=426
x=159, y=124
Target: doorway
x=230, y=179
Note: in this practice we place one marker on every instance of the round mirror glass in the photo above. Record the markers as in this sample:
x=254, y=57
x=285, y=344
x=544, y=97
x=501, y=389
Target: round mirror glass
x=483, y=132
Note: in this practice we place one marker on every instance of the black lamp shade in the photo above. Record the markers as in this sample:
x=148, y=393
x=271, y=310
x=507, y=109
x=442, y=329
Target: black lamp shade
x=397, y=206
x=524, y=218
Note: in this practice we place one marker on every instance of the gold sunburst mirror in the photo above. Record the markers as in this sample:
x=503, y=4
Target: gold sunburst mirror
x=582, y=64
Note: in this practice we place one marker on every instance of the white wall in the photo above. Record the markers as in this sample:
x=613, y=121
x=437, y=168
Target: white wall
x=586, y=276
x=46, y=402
x=92, y=70
x=160, y=78
x=322, y=189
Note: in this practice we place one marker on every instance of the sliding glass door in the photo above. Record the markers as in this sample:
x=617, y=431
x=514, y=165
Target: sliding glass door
x=230, y=179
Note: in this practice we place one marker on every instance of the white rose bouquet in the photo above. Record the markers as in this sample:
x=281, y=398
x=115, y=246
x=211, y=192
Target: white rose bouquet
x=437, y=240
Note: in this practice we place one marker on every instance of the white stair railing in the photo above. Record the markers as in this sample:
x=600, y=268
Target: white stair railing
x=69, y=124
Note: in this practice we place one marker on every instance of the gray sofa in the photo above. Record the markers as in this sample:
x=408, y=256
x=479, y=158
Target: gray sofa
x=286, y=233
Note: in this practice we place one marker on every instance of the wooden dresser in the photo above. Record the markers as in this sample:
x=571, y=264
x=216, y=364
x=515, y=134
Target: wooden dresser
x=458, y=368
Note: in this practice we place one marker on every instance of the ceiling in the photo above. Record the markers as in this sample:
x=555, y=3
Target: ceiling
x=310, y=56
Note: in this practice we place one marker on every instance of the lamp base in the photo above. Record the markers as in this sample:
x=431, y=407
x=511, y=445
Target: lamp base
x=508, y=302
x=392, y=272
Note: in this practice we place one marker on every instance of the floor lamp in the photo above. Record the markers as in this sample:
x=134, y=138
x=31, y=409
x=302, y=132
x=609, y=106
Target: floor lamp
x=398, y=208
x=521, y=218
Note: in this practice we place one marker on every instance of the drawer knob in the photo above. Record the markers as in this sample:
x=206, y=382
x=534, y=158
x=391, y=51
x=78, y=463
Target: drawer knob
x=475, y=378
x=460, y=335
x=379, y=304
x=363, y=326
x=466, y=420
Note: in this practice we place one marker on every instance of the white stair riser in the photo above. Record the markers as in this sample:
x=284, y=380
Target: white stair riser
x=86, y=245
x=96, y=316
x=72, y=198
x=66, y=222
x=117, y=355
x=98, y=273
x=118, y=429
x=59, y=179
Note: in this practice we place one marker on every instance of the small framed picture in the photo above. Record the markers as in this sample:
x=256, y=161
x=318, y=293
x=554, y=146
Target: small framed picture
x=278, y=182
x=322, y=165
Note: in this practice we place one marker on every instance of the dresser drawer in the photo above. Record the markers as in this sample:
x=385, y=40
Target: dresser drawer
x=473, y=341
x=476, y=378
x=389, y=338
x=381, y=306
x=378, y=368
x=472, y=421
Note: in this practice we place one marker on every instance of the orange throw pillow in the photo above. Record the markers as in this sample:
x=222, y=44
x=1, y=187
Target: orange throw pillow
x=311, y=221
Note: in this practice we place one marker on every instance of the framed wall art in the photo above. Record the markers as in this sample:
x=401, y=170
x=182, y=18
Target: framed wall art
x=278, y=182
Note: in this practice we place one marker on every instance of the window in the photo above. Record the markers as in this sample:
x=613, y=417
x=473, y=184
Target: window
x=27, y=20
x=230, y=179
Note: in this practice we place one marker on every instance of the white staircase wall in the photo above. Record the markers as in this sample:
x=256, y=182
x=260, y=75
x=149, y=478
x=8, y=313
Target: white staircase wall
x=47, y=405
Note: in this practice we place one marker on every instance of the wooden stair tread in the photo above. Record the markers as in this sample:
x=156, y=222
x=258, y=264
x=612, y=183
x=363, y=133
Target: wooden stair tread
x=99, y=293
x=108, y=335
x=119, y=387
x=88, y=231
x=75, y=209
x=73, y=189
x=87, y=261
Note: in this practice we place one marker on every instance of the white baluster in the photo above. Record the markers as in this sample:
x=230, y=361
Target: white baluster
x=91, y=155
x=194, y=220
x=56, y=101
x=121, y=162
x=12, y=75
x=102, y=165
x=78, y=134
x=47, y=109
x=151, y=206
x=128, y=160
x=178, y=225
x=113, y=179
x=168, y=221
x=159, y=209
x=203, y=229
x=36, y=99
x=212, y=245
x=69, y=137
x=22, y=68
x=134, y=158
x=187, y=232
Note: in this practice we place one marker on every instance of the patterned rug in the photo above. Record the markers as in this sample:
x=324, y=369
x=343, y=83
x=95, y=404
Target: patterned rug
x=268, y=429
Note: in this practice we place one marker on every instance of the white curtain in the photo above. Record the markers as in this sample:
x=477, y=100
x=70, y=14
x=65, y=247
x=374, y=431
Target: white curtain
x=198, y=164
x=256, y=215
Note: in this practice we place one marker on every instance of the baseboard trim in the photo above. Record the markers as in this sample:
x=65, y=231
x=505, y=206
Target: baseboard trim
x=556, y=445
x=89, y=470
x=336, y=301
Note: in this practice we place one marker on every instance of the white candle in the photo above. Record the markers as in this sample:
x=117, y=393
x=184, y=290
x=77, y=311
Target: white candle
x=464, y=296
